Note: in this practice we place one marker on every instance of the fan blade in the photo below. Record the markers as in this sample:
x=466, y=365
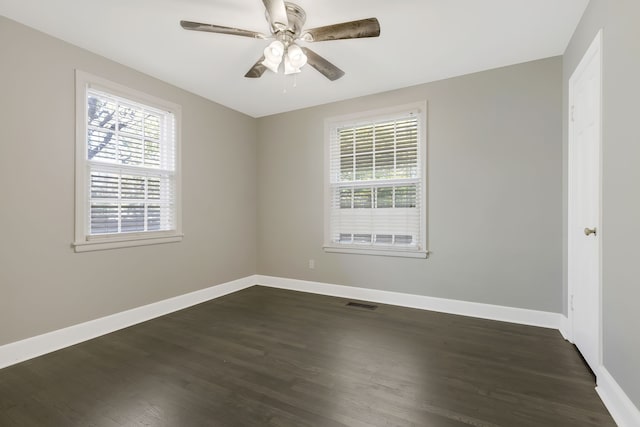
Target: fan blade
x=325, y=67
x=347, y=30
x=197, y=26
x=277, y=12
x=257, y=70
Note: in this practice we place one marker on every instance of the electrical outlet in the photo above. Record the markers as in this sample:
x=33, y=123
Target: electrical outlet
x=312, y=264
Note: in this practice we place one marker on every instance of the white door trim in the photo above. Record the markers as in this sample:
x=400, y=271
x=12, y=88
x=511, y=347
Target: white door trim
x=593, y=52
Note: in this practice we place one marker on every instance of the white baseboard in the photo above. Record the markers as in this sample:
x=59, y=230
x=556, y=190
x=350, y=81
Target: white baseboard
x=624, y=412
x=622, y=409
x=29, y=348
x=473, y=309
x=564, y=328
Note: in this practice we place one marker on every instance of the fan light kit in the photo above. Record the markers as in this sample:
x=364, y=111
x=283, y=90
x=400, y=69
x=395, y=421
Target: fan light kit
x=286, y=21
x=293, y=60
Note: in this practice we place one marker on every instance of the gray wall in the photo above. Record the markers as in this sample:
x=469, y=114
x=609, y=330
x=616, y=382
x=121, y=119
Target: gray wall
x=44, y=285
x=495, y=206
x=620, y=179
x=495, y=199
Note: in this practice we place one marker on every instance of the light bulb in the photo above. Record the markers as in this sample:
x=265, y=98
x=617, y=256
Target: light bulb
x=275, y=51
x=296, y=56
x=273, y=55
x=294, y=60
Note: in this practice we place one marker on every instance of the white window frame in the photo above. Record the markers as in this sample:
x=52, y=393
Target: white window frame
x=84, y=241
x=372, y=116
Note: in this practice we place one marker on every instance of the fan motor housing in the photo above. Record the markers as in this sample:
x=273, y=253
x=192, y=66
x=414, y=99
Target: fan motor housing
x=296, y=17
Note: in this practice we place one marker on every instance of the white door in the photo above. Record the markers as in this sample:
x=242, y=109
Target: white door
x=584, y=230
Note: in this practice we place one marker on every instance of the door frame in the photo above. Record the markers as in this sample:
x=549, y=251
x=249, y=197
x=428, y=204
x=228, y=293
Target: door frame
x=594, y=51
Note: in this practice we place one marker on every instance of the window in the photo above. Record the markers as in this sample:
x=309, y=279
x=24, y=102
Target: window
x=127, y=174
x=376, y=183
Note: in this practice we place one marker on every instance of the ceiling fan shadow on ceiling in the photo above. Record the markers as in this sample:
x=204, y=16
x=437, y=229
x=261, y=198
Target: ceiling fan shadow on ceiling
x=286, y=22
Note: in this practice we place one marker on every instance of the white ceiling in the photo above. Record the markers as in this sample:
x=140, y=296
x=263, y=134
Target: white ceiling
x=420, y=41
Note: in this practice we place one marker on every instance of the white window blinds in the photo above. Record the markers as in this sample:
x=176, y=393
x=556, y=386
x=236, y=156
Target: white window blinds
x=376, y=183
x=131, y=166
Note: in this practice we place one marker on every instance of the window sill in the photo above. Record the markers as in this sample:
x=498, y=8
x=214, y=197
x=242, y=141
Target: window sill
x=124, y=242
x=379, y=252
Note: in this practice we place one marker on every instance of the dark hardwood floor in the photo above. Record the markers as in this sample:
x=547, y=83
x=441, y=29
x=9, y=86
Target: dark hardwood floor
x=269, y=357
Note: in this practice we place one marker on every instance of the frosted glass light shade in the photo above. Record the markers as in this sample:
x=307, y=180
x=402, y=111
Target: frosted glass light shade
x=294, y=60
x=273, y=55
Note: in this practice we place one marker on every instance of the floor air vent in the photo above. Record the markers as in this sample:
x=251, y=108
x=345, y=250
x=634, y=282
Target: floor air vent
x=361, y=305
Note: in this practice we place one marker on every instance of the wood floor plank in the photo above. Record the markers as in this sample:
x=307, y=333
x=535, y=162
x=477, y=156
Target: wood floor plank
x=270, y=357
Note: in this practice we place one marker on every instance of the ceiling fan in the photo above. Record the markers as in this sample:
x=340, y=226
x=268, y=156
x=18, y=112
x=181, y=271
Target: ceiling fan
x=286, y=22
